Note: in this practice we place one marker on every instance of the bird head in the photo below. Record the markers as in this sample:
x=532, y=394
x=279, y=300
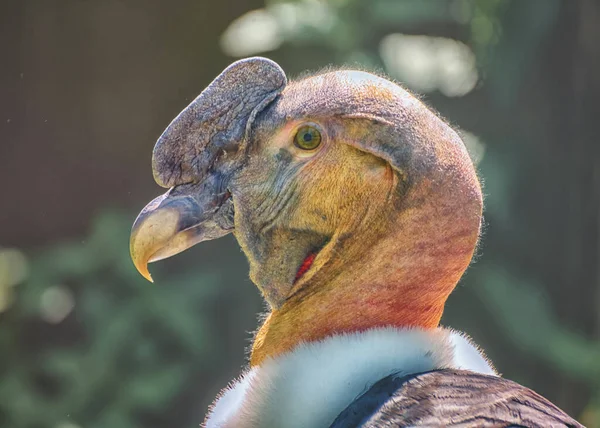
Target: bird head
x=355, y=205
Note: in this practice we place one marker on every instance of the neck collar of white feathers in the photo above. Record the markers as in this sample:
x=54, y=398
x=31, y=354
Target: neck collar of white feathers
x=311, y=385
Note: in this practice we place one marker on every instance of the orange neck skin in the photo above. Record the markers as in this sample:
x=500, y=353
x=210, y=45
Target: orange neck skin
x=400, y=276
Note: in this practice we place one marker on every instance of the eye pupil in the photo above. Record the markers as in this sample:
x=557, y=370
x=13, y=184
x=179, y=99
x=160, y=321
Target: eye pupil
x=307, y=138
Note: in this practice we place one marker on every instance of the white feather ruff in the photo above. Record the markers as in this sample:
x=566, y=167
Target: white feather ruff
x=311, y=385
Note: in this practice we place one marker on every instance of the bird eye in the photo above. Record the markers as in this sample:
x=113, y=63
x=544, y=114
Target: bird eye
x=307, y=138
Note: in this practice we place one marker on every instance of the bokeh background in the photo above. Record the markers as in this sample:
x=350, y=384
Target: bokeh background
x=87, y=86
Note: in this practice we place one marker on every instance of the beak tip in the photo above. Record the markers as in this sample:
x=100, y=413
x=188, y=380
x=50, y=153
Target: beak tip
x=147, y=276
x=142, y=268
x=139, y=259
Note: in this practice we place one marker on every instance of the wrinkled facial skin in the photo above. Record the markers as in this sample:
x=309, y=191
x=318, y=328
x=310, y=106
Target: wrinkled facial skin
x=291, y=203
x=389, y=187
x=372, y=227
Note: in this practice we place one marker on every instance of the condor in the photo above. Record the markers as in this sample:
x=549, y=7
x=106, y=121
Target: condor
x=358, y=210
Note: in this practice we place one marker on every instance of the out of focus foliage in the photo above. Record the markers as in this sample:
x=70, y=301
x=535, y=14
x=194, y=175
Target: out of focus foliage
x=131, y=349
x=86, y=342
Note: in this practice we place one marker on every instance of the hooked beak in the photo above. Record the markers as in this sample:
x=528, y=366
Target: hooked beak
x=182, y=217
x=197, y=153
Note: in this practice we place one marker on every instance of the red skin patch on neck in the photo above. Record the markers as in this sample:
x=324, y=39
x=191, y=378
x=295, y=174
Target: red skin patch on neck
x=305, y=266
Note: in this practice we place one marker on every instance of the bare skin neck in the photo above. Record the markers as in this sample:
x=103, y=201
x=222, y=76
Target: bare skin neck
x=402, y=279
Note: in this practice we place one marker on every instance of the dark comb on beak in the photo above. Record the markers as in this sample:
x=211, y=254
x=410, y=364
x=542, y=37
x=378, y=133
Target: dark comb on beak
x=213, y=127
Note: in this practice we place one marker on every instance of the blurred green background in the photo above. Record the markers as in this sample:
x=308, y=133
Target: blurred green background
x=87, y=86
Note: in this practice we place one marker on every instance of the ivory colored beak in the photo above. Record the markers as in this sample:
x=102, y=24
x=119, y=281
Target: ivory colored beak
x=182, y=217
x=158, y=229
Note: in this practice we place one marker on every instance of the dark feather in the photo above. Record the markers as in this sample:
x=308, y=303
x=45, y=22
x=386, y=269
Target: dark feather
x=451, y=398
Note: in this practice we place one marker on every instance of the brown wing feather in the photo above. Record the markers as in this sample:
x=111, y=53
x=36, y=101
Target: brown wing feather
x=452, y=398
